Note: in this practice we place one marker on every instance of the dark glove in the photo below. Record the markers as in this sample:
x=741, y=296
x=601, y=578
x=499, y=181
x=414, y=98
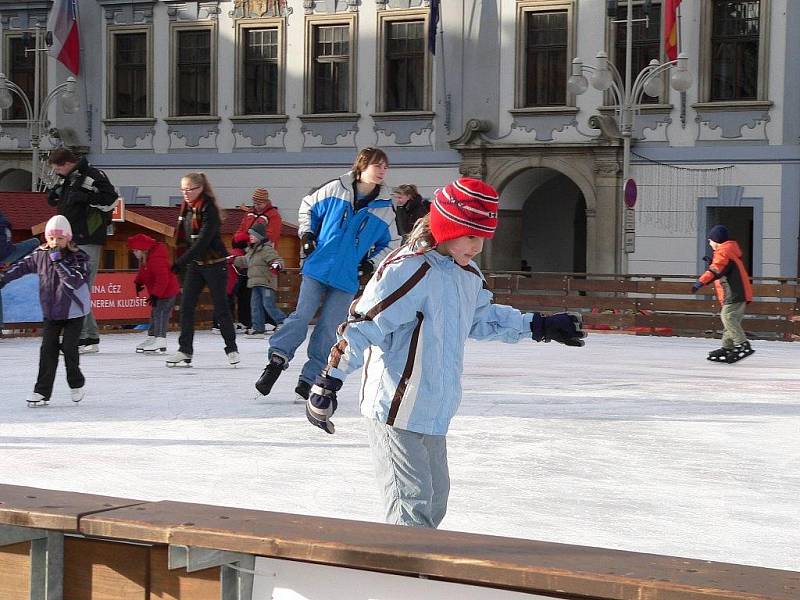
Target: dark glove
x=152, y=300
x=139, y=287
x=707, y=259
x=696, y=286
x=322, y=403
x=175, y=268
x=55, y=255
x=275, y=268
x=2, y=283
x=564, y=328
x=366, y=268
x=309, y=243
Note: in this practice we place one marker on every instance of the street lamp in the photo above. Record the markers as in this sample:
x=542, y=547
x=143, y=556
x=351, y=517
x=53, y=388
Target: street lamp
x=36, y=115
x=603, y=75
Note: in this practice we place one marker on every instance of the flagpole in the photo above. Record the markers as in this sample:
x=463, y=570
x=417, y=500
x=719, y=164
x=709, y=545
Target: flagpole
x=683, y=94
x=85, y=88
x=35, y=125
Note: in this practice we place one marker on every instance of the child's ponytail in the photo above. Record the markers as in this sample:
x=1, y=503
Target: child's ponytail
x=421, y=238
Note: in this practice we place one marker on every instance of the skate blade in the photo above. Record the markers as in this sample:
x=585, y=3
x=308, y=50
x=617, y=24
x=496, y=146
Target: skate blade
x=736, y=359
x=139, y=350
x=37, y=403
x=155, y=351
x=180, y=365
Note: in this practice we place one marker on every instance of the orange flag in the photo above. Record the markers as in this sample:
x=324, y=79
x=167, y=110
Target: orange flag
x=671, y=28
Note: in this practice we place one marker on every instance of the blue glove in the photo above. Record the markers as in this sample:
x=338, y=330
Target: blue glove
x=321, y=403
x=696, y=286
x=564, y=328
x=55, y=255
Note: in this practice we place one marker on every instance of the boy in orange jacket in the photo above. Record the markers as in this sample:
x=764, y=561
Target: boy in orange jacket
x=732, y=285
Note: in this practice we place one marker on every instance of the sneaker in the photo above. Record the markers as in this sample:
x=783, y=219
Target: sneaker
x=277, y=364
x=179, y=359
x=77, y=394
x=233, y=358
x=302, y=390
x=37, y=399
x=89, y=349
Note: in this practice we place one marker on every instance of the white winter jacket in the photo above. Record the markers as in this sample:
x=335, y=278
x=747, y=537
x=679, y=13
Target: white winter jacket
x=409, y=329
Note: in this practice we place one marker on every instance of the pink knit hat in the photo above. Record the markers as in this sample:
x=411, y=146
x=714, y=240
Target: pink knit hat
x=58, y=226
x=466, y=206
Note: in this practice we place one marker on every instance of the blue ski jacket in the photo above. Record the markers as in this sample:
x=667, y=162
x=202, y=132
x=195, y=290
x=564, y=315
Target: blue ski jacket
x=408, y=331
x=345, y=236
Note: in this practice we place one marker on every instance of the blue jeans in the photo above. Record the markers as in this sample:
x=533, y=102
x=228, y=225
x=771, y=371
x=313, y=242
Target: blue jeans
x=21, y=249
x=262, y=299
x=333, y=305
x=412, y=474
x=94, y=251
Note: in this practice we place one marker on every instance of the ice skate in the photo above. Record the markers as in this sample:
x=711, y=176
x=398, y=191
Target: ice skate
x=89, y=349
x=180, y=359
x=158, y=345
x=302, y=391
x=276, y=365
x=37, y=399
x=739, y=352
x=233, y=358
x=255, y=335
x=147, y=344
x=77, y=394
x=718, y=355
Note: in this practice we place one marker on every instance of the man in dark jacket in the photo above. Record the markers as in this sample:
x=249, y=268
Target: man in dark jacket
x=85, y=196
x=409, y=208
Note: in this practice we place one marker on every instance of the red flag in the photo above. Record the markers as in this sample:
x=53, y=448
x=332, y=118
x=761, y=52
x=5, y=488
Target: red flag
x=671, y=28
x=63, y=22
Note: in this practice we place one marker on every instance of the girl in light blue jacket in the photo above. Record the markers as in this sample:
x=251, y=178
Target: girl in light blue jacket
x=408, y=331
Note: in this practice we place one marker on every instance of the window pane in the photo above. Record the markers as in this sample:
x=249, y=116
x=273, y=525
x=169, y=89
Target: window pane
x=260, y=81
x=194, y=72
x=546, y=59
x=405, y=65
x=21, y=72
x=735, y=40
x=645, y=43
x=130, y=75
x=331, y=68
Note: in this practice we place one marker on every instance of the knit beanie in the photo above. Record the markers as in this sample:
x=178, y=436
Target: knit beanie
x=260, y=195
x=466, y=206
x=258, y=230
x=719, y=234
x=58, y=225
x=140, y=241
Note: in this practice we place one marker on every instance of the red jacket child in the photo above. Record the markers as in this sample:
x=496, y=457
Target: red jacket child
x=154, y=270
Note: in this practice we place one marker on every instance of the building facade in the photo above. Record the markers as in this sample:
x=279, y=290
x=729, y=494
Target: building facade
x=282, y=94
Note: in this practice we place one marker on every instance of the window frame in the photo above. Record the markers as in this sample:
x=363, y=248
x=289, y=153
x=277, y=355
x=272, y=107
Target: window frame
x=524, y=7
x=704, y=62
x=111, y=34
x=312, y=21
x=175, y=29
x=384, y=19
x=19, y=34
x=242, y=27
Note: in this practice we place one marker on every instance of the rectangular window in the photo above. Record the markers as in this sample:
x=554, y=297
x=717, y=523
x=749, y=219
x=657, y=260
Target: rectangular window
x=645, y=43
x=735, y=34
x=21, y=71
x=331, y=68
x=546, y=41
x=193, y=72
x=260, y=81
x=130, y=75
x=405, y=65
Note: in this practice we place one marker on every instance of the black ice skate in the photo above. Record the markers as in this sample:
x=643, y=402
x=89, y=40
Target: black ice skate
x=739, y=352
x=718, y=355
x=276, y=365
x=302, y=391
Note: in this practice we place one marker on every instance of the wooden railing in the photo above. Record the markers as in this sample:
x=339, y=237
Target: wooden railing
x=56, y=545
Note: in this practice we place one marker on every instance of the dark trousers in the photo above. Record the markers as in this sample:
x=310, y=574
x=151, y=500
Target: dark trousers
x=70, y=332
x=243, y=302
x=196, y=278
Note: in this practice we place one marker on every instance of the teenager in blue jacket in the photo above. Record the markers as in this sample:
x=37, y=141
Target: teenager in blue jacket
x=408, y=332
x=347, y=227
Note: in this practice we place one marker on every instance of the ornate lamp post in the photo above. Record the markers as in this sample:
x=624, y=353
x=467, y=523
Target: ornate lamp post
x=36, y=115
x=603, y=76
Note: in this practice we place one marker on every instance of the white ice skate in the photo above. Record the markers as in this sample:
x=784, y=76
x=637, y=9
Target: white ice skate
x=89, y=349
x=158, y=345
x=233, y=358
x=180, y=359
x=77, y=394
x=147, y=344
x=38, y=400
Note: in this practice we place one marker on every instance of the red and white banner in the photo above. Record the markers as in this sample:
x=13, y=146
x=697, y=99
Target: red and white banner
x=114, y=297
x=63, y=23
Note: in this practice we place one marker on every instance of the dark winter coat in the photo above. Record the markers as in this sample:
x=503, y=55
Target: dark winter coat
x=198, y=234
x=76, y=197
x=63, y=284
x=727, y=271
x=6, y=245
x=154, y=272
x=410, y=213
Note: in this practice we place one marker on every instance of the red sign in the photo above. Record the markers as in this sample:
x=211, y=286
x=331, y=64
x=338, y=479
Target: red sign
x=114, y=297
x=630, y=193
x=118, y=214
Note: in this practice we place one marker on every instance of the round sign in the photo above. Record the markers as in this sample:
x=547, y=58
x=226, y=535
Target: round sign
x=630, y=193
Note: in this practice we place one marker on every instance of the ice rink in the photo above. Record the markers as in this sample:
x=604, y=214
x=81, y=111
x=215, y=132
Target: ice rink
x=635, y=443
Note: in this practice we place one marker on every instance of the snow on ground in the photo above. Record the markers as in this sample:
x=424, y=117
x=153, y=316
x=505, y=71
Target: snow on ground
x=636, y=443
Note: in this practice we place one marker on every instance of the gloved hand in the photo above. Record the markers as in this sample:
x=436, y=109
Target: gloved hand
x=2, y=283
x=564, y=328
x=139, y=287
x=321, y=403
x=309, y=244
x=55, y=255
x=152, y=299
x=275, y=268
x=366, y=268
x=707, y=259
x=175, y=268
x=696, y=286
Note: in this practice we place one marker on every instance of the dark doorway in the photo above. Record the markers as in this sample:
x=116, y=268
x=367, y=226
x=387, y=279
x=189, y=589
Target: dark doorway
x=739, y=221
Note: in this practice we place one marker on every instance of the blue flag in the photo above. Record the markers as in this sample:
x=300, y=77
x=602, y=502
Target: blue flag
x=433, y=25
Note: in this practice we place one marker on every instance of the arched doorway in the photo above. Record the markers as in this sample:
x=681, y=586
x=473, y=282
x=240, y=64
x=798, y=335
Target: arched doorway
x=15, y=180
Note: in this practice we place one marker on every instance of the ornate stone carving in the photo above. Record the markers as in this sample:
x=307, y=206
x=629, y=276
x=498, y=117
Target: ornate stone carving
x=607, y=126
x=381, y=4
x=477, y=171
x=260, y=8
x=472, y=132
x=308, y=6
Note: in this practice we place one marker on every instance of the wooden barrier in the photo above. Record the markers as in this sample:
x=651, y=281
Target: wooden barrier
x=120, y=549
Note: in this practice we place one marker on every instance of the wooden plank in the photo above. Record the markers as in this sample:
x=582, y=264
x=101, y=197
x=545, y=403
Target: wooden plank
x=50, y=509
x=535, y=567
x=100, y=570
x=177, y=584
x=15, y=566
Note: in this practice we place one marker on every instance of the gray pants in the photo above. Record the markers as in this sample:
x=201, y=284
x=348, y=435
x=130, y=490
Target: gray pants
x=732, y=315
x=412, y=473
x=94, y=251
x=159, y=317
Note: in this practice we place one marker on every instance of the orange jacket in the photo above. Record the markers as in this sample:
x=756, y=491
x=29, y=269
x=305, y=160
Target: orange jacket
x=730, y=277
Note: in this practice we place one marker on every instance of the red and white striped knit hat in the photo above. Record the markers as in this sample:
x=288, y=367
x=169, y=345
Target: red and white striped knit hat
x=466, y=206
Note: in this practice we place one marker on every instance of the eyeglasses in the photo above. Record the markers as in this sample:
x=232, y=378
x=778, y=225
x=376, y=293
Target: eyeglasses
x=191, y=189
